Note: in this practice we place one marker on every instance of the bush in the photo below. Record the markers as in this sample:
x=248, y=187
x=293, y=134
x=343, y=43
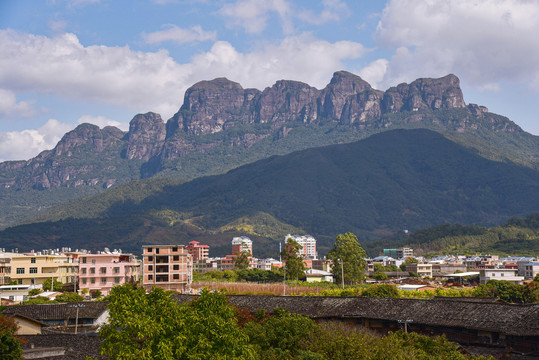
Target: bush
x=383, y=290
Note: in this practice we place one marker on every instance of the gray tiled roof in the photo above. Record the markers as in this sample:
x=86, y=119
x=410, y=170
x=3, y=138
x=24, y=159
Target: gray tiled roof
x=41, y=312
x=520, y=320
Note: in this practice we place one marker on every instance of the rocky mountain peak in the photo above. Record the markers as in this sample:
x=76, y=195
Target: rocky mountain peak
x=146, y=136
x=84, y=136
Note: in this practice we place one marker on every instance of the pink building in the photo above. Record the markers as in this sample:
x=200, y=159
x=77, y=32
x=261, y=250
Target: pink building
x=103, y=271
x=197, y=251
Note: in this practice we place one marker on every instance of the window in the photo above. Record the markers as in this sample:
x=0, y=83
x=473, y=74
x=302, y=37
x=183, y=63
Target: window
x=157, y=251
x=176, y=258
x=83, y=271
x=33, y=270
x=116, y=280
x=501, y=274
x=19, y=282
x=20, y=270
x=92, y=270
x=103, y=270
x=92, y=280
x=84, y=260
x=150, y=277
x=176, y=276
x=176, y=267
x=116, y=270
x=33, y=260
x=150, y=250
x=174, y=249
x=150, y=258
x=150, y=267
x=93, y=261
x=84, y=281
x=103, y=280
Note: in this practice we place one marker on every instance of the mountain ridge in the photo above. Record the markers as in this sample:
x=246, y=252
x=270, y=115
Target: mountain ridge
x=400, y=179
x=221, y=126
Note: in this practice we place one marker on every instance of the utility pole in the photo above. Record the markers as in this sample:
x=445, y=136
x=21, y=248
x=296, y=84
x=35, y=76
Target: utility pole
x=342, y=272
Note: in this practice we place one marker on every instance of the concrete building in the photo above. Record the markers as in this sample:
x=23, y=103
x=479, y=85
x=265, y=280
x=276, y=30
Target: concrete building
x=15, y=293
x=35, y=267
x=531, y=270
x=167, y=266
x=266, y=264
x=499, y=274
x=197, y=251
x=308, y=244
x=423, y=270
x=241, y=243
x=105, y=270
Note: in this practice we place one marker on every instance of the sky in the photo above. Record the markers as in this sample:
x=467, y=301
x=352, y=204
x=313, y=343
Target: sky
x=67, y=62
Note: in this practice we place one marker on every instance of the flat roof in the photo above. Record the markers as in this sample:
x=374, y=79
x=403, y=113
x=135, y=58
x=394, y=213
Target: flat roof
x=470, y=273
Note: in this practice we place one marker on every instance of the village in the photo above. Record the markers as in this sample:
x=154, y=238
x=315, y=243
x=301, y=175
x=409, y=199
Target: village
x=23, y=275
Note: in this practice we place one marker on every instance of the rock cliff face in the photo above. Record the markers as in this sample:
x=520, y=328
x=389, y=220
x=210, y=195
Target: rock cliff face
x=221, y=113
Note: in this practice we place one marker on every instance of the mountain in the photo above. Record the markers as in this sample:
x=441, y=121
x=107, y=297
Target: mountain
x=400, y=179
x=221, y=126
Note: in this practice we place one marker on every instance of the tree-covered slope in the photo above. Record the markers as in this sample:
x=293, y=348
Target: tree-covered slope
x=402, y=179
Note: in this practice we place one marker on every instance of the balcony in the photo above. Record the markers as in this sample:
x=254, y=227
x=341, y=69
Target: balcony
x=161, y=269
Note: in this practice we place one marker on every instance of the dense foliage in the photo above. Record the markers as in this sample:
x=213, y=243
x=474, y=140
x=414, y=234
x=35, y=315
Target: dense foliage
x=293, y=260
x=155, y=326
x=10, y=345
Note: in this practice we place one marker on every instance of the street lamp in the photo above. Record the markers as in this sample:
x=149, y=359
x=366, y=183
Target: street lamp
x=406, y=322
x=342, y=272
x=77, y=306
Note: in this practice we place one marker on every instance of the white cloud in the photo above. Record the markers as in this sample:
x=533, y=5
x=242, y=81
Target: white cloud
x=153, y=81
x=374, y=72
x=179, y=35
x=58, y=25
x=25, y=144
x=253, y=15
x=483, y=42
x=334, y=10
x=10, y=108
x=102, y=121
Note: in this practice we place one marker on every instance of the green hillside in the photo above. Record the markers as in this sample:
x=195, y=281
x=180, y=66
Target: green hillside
x=402, y=179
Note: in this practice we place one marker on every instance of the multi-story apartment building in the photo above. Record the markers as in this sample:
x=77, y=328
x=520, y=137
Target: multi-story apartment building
x=423, y=270
x=197, y=251
x=167, y=266
x=105, y=270
x=241, y=243
x=308, y=244
x=531, y=270
x=35, y=267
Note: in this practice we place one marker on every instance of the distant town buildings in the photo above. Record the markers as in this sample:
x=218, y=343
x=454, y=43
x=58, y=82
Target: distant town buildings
x=308, y=244
x=242, y=243
x=167, y=266
x=198, y=252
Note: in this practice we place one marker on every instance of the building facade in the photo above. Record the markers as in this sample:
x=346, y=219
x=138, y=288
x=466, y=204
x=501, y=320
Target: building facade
x=241, y=243
x=197, y=251
x=499, y=274
x=106, y=270
x=308, y=244
x=167, y=266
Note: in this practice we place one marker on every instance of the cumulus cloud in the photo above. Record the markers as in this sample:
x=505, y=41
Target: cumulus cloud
x=102, y=121
x=374, y=72
x=25, y=144
x=482, y=41
x=333, y=10
x=179, y=35
x=153, y=81
x=253, y=15
x=10, y=108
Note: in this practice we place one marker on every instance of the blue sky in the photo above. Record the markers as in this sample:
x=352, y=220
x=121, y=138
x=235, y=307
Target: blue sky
x=65, y=62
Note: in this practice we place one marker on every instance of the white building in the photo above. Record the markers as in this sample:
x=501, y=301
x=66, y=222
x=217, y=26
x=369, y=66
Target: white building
x=308, y=244
x=266, y=264
x=241, y=243
x=499, y=274
x=530, y=270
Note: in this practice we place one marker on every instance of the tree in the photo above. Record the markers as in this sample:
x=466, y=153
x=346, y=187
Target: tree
x=243, y=260
x=383, y=291
x=68, y=297
x=380, y=275
x=409, y=260
x=155, y=326
x=349, y=254
x=56, y=287
x=294, y=268
x=10, y=345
